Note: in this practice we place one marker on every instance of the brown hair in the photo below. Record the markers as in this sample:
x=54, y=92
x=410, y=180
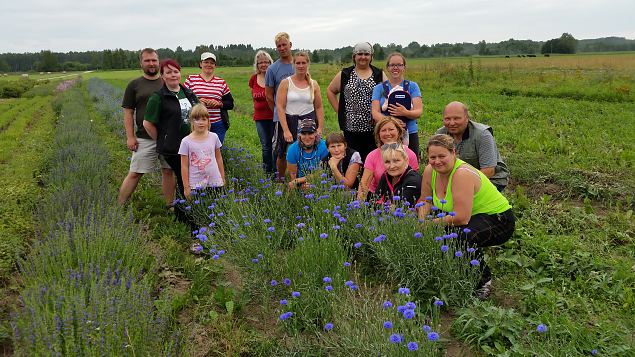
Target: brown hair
x=335, y=138
x=382, y=123
x=198, y=111
x=147, y=50
x=441, y=140
x=393, y=55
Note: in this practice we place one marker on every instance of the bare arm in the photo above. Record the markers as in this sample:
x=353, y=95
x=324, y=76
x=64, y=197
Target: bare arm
x=185, y=175
x=333, y=90
x=351, y=175
x=376, y=111
x=269, y=97
x=488, y=171
x=426, y=191
x=128, y=124
x=319, y=108
x=281, y=105
x=293, y=174
x=219, y=162
x=151, y=129
x=364, y=183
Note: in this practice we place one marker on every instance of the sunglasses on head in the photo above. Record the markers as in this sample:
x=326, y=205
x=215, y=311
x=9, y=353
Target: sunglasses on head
x=393, y=146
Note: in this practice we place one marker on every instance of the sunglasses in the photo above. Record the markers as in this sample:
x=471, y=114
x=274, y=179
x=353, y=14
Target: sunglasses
x=393, y=146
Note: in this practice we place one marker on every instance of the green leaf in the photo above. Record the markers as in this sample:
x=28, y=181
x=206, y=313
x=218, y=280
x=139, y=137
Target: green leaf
x=229, y=305
x=213, y=315
x=488, y=333
x=544, y=280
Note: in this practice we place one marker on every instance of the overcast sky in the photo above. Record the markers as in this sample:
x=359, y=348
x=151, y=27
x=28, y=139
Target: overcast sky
x=74, y=25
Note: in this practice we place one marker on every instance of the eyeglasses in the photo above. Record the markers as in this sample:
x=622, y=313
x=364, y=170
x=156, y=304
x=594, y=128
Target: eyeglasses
x=396, y=65
x=265, y=62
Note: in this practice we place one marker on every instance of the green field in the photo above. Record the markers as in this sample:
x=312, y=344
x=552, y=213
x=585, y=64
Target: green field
x=564, y=125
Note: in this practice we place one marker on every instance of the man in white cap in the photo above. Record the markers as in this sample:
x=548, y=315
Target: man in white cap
x=144, y=154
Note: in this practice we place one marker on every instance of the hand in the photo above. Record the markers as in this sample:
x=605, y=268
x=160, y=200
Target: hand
x=319, y=133
x=334, y=161
x=132, y=143
x=287, y=136
x=397, y=110
x=214, y=103
x=187, y=192
x=291, y=184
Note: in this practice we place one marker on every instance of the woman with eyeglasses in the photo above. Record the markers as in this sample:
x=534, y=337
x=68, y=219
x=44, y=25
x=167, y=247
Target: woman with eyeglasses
x=400, y=182
x=466, y=200
x=263, y=115
x=387, y=131
x=355, y=85
x=399, y=98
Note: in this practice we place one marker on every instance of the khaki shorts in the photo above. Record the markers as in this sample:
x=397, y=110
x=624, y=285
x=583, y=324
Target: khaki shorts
x=144, y=160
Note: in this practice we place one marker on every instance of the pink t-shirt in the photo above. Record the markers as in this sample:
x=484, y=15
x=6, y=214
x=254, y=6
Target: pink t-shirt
x=375, y=163
x=201, y=155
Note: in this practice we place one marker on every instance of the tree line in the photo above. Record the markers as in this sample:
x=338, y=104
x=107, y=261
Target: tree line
x=242, y=55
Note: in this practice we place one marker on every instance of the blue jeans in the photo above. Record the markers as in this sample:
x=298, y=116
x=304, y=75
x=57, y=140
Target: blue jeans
x=220, y=130
x=265, y=133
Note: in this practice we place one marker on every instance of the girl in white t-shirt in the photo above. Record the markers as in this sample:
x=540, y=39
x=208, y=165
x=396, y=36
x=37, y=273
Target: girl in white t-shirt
x=201, y=160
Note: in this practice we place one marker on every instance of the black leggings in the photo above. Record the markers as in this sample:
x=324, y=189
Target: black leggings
x=486, y=230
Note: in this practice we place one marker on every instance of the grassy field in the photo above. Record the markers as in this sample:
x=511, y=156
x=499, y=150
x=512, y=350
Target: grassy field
x=564, y=125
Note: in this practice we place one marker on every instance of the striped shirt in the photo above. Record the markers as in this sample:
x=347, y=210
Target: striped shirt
x=215, y=89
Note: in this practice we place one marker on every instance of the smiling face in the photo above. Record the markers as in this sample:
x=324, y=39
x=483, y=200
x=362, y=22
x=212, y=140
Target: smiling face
x=455, y=118
x=150, y=63
x=171, y=76
x=308, y=138
x=388, y=133
x=362, y=59
x=262, y=63
x=395, y=162
x=396, y=67
x=208, y=66
x=441, y=159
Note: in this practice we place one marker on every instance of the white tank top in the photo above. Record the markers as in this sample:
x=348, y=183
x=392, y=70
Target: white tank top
x=299, y=99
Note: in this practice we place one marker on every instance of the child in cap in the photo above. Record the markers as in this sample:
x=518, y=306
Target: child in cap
x=305, y=154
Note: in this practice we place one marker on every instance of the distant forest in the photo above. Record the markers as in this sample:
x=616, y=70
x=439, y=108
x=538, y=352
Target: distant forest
x=242, y=55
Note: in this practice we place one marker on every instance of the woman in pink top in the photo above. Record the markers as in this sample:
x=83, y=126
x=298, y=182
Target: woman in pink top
x=263, y=115
x=387, y=131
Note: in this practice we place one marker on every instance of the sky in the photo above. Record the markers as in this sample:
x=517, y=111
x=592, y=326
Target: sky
x=73, y=25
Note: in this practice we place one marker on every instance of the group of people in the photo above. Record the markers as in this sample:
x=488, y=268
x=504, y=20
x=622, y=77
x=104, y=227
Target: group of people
x=377, y=151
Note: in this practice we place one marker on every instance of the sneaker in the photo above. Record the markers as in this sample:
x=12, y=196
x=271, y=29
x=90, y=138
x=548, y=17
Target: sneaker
x=484, y=290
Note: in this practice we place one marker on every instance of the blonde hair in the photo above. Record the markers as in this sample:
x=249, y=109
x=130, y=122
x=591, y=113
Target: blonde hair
x=261, y=53
x=384, y=121
x=308, y=75
x=441, y=140
x=198, y=111
x=282, y=35
x=388, y=151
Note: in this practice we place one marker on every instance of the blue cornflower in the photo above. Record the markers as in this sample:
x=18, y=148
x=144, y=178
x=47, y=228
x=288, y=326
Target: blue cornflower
x=441, y=215
x=438, y=302
x=357, y=245
x=452, y=214
x=444, y=248
x=418, y=235
x=387, y=304
x=305, y=208
x=419, y=204
x=395, y=338
x=295, y=294
x=353, y=287
x=437, y=239
x=408, y=314
x=471, y=250
x=347, y=264
x=474, y=262
x=327, y=279
x=328, y=288
x=255, y=260
x=327, y=211
x=542, y=328
x=426, y=328
x=348, y=283
x=453, y=235
x=443, y=202
x=323, y=235
x=286, y=281
x=433, y=336
x=428, y=198
x=266, y=220
x=466, y=230
x=336, y=227
x=458, y=254
x=286, y=315
x=215, y=256
x=387, y=324
x=278, y=193
x=435, y=208
x=274, y=282
x=328, y=326
x=300, y=225
x=342, y=220
x=309, y=196
x=404, y=291
x=221, y=252
x=260, y=256
x=283, y=302
x=594, y=352
x=413, y=346
x=411, y=305
x=396, y=198
x=271, y=229
x=401, y=309
x=358, y=226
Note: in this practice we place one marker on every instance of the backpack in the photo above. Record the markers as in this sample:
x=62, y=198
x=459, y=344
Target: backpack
x=402, y=97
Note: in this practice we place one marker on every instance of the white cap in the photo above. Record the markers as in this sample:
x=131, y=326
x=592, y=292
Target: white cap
x=206, y=55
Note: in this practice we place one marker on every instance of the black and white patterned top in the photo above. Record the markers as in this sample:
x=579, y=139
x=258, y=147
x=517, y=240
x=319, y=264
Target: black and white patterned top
x=358, y=94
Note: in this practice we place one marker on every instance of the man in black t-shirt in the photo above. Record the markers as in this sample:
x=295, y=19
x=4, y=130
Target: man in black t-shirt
x=144, y=154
